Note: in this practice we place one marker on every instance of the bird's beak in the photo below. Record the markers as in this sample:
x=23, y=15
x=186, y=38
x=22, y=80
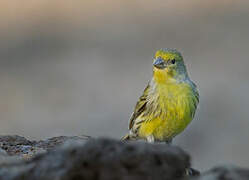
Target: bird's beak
x=159, y=63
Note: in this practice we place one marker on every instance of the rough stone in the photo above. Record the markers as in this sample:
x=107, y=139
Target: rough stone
x=102, y=159
x=81, y=158
x=225, y=173
x=53, y=142
x=20, y=146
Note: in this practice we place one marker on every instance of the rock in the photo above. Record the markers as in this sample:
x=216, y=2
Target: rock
x=225, y=173
x=57, y=141
x=12, y=144
x=102, y=159
x=192, y=172
x=7, y=159
x=14, y=140
x=20, y=146
x=80, y=157
x=2, y=152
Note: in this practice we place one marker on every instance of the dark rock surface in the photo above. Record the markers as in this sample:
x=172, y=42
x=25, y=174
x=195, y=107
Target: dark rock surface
x=53, y=142
x=84, y=158
x=225, y=173
x=103, y=159
x=20, y=146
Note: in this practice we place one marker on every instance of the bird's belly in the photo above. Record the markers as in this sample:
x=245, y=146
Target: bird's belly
x=174, y=119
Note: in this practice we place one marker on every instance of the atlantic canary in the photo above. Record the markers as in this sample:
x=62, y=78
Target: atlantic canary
x=168, y=103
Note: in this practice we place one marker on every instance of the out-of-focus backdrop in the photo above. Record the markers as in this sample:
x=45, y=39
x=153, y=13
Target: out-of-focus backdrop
x=78, y=67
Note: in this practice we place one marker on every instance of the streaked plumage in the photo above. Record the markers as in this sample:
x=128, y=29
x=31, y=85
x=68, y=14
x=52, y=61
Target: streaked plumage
x=168, y=102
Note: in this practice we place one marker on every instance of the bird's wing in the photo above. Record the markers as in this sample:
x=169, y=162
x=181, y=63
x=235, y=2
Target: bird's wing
x=195, y=100
x=139, y=108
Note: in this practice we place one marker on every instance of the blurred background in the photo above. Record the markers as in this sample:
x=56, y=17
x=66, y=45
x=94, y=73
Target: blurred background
x=78, y=67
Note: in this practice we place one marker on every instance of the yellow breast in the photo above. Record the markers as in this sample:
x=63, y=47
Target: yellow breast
x=173, y=109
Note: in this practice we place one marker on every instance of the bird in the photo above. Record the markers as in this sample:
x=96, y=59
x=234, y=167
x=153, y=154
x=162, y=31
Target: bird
x=168, y=103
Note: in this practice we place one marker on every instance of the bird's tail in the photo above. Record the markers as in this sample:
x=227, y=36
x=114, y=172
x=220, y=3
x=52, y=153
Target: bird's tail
x=129, y=137
x=126, y=137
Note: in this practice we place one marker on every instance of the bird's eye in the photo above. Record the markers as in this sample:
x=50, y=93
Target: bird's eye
x=173, y=61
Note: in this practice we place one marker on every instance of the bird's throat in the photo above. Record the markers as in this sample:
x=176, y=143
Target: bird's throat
x=163, y=76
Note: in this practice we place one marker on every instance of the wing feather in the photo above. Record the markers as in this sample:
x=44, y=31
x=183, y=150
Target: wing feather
x=139, y=108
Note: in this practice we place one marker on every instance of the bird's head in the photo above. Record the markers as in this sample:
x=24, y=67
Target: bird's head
x=168, y=64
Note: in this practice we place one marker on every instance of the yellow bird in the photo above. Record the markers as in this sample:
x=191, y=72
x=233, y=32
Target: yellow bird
x=168, y=102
